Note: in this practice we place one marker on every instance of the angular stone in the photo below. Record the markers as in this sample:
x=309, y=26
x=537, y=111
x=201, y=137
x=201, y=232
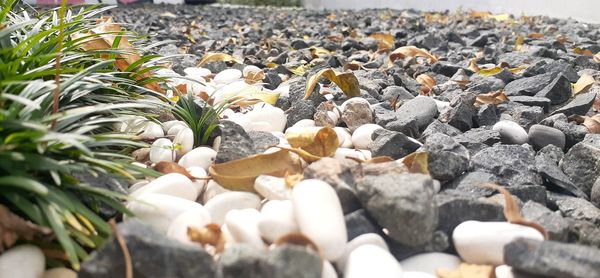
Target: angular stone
x=579, y=209
x=528, y=86
x=407, y=126
x=582, y=163
x=243, y=260
x=235, y=143
x=300, y=109
x=439, y=127
x=339, y=175
x=578, y=106
x=556, y=226
x=263, y=140
x=447, y=158
x=393, y=144
x=558, y=91
x=424, y=109
x=359, y=222
x=487, y=115
x=512, y=164
x=532, y=101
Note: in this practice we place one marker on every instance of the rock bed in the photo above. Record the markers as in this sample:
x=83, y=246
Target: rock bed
x=489, y=98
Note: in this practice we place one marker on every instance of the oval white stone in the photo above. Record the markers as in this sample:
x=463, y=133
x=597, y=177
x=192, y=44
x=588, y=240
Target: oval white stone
x=304, y=123
x=227, y=76
x=483, y=242
x=175, y=129
x=185, y=140
x=369, y=238
x=23, y=261
x=328, y=270
x=152, y=130
x=250, y=69
x=277, y=219
x=372, y=261
x=222, y=203
x=511, y=132
x=161, y=150
x=197, y=217
x=361, y=138
x=60, y=272
x=243, y=226
x=344, y=137
x=272, y=188
x=159, y=210
x=212, y=189
x=319, y=216
x=173, y=184
x=342, y=153
x=274, y=117
x=199, y=173
x=169, y=124
x=417, y=274
x=430, y=262
x=199, y=157
x=197, y=73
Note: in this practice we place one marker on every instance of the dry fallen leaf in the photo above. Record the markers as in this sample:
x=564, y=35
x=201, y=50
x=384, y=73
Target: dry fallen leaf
x=583, y=84
x=103, y=37
x=411, y=51
x=13, y=227
x=512, y=212
x=240, y=174
x=318, y=52
x=292, y=179
x=386, y=40
x=535, y=36
x=519, y=42
x=346, y=81
x=597, y=57
x=592, y=124
x=297, y=239
x=465, y=270
x=473, y=65
x=427, y=83
x=167, y=167
x=416, y=162
x=210, y=234
x=581, y=51
x=312, y=146
x=214, y=57
x=255, y=77
x=490, y=98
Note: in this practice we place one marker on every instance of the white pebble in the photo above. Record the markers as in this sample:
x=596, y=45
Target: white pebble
x=23, y=261
x=196, y=73
x=504, y=271
x=319, y=216
x=270, y=117
x=60, y=272
x=159, y=210
x=361, y=138
x=173, y=184
x=199, y=184
x=197, y=218
x=483, y=242
x=353, y=100
x=152, y=130
x=243, y=226
x=343, y=153
x=511, y=132
x=328, y=271
x=250, y=69
x=175, y=129
x=276, y=220
x=161, y=150
x=199, y=157
x=304, y=123
x=430, y=262
x=184, y=140
x=212, y=189
x=372, y=261
x=169, y=124
x=369, y=238
x=227, y=76
x=222, y=203
x=344, y=137
x=416, y=274
x=272, y=188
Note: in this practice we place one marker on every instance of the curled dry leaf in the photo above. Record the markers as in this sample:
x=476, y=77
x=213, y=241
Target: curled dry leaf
x=427, y=83
x=13, y=227
x=535, y=36
x=416, y=162
x=346, y=81
x=312, y=146
x=583, y=84
x=240, y=174
x=215, y=57
x=411, y=51
x=512, y=213
x=473, y=65
x=465, y=270
x=593, y=124
x=255, y=77
x=297, y=239
x=103, y=37
x=210, y=234
x=581, y=51
x=386, y=40
x=292, y=179
x=253, y=95
x=167, y=167
x=491, y=98
x=318, y=52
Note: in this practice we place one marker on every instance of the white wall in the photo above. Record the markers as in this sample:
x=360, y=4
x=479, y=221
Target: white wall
x=584, y=10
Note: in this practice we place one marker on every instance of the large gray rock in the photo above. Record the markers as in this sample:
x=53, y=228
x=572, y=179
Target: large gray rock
x=263, y=140
x=152, y=255
x=424, y=109
x=595, y=195
x=401, y=203
x=293, y=261
x=552, y=258
x=512, y=164
x=393, y=144
x=582, y=163
x=558, y=91
x=439, y=127
x=301, y=109
x=556, y=226
x=235, y=143
x=447, y=158
x=528, y=86
x=578, y=106
x=579, y=209
x=243, y=260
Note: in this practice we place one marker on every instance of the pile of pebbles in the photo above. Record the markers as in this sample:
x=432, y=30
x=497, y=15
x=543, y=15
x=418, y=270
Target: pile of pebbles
x=350, y=219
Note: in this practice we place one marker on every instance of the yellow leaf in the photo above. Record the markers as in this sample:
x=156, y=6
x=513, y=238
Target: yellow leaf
x=314, y=145
x=501, y=17
x=517, y=70
x=167, y=167
x=210, y=234
x=255, y=77
x=583, y=84
x=491, y=98
x=300, y=70
x=214, y=57
x=346, y=81
x=465, y=270
x=318, y=52
x=293, y=179
x=240, y=174
x=581, y=51
x=416, y=162
x=427, y=81
x=473, y=65
x=386, y=40
x=411, y=51
x=519, y=42
x=490, y=71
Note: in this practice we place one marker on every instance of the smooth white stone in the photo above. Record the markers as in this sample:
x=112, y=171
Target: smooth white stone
x=60, y=272
x=277, y=219
x=319, y=216
x=137, y=186
x=372, y=261
x=185, y=140
x=197, y=217
x=169, y=124
x=199, y=184
x=23, y=261
x=242, y=120
x=216, y=143
x=272, y=188
x=250, y=69
x=197, y=73
x=344, y=137
x=353, y=100
x=328, y=271
x=369, y=238
x=483, y=242
x=199, y=157
x=283, y=89
x=159, y=210
x=416, y=274
x=227, y=76
x=152, y=130
x=243, y=226
x=361, y=138
x=430, y=262
x=212, y=189
x=174, y=130
x=219, y=205
x=273, y=116
x=511, y=132
x=342, y=153
x=504, y=271
x=304, y=123
x=173, y=184
x=162, y=150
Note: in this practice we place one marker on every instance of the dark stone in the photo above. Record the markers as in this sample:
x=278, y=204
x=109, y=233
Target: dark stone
x=407, y=126
x=579, y=209
x=299, y=44
x=578, y=106
x=243, y=260
x=554, y=177
x=393, y=144
x=583, y=232
x=152, y=255
x=263, y=140
x=532, y=101
x=102, y=181
x=439, y=127
x=595, y=195
x=235, y=143
x=301, y=109
x=272, y=80
x=555, y=225
x=487, y=115
x=447, y=158
x=582, y=163
x=478, y=139
x=526, y=116
x=513, y=164
x=528, y=86
x=541, y=136
x=459, y=116
x=359, y=222
x=574, y=133
x=424, y=109
x=558, y=91
x=383, y=115
x=396, y=92
x=306, y=263
x=552, y=258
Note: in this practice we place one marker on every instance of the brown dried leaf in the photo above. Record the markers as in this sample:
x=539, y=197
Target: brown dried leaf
x=319, y=143
x=240, y=174
x=386, y=40
x=215, y=57
x=167, y=167
x=346, y=81
x=411, y=51
x=473, y=65
x=417, y=162
x=465, y=270
x=427, y=83
x=13, y=227
x=562, y=39
x=491, y=98
x=585, y=52
x=519, y=42
x=318, y=52
x=379, y=159
x=297, y=239
x=583, y=84
x=255, y=77
x=292, y=179
x=597, y=57
x=208, y=235
x=592, y=124
x=512, y=212
x=535, y=36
